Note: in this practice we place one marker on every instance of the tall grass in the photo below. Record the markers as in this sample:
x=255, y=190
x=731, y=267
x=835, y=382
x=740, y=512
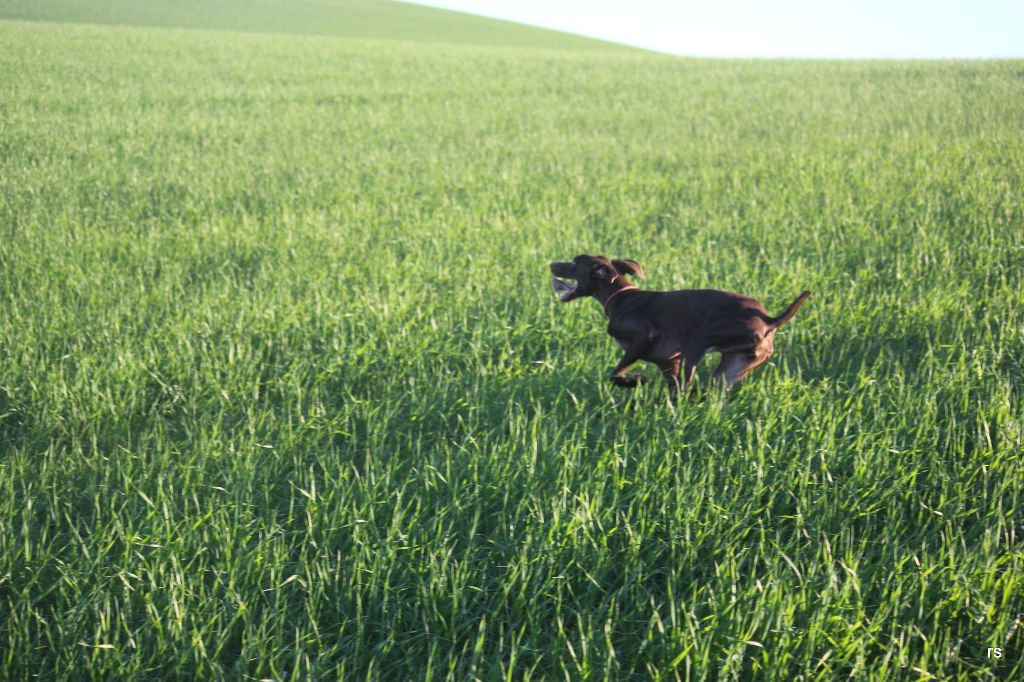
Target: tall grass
x=284, y=392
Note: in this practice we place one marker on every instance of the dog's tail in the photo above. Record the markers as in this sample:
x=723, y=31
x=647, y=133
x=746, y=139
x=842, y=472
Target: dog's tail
x=790, y=311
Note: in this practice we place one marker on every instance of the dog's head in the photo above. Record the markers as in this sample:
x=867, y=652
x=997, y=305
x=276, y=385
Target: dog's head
x=589, y=273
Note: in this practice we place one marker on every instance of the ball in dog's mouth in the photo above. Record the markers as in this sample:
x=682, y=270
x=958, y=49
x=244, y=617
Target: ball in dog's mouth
x=562, y=288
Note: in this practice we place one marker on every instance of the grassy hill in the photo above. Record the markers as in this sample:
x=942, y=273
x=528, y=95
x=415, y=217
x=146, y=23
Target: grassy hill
x=285, y=393
x=359, y=19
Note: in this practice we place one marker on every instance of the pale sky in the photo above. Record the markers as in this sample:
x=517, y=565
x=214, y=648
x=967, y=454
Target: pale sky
x=916, y=29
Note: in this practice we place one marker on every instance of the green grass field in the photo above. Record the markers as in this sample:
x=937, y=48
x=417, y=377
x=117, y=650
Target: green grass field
x=285, y=392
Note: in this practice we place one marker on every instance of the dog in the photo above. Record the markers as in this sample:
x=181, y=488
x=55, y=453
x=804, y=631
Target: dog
x=673, y=329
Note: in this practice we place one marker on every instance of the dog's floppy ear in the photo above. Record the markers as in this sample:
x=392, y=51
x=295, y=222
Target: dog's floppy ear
x=628, y=267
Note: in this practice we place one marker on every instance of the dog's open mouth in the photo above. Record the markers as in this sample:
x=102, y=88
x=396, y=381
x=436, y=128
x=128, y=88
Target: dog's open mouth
x=562, y=288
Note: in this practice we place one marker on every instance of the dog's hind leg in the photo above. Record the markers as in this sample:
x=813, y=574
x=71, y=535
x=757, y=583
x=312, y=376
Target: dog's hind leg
x=736, y=365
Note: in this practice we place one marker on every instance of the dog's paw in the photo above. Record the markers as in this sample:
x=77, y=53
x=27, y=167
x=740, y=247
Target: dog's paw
x=629, y=381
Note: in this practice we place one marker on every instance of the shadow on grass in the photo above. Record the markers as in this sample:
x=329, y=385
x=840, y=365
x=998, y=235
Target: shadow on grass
x=842, y=357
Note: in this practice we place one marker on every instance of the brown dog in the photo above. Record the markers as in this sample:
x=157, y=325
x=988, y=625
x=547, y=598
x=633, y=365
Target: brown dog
x=670, y=328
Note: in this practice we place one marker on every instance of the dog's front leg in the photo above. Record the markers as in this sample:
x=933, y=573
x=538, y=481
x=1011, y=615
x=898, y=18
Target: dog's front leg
x=670, y=370
x=634, y=350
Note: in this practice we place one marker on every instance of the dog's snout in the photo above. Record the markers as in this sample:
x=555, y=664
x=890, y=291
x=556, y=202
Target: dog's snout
x=560, y=269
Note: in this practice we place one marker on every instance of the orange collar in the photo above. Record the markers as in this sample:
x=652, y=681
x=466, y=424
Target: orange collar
x=607, y=302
